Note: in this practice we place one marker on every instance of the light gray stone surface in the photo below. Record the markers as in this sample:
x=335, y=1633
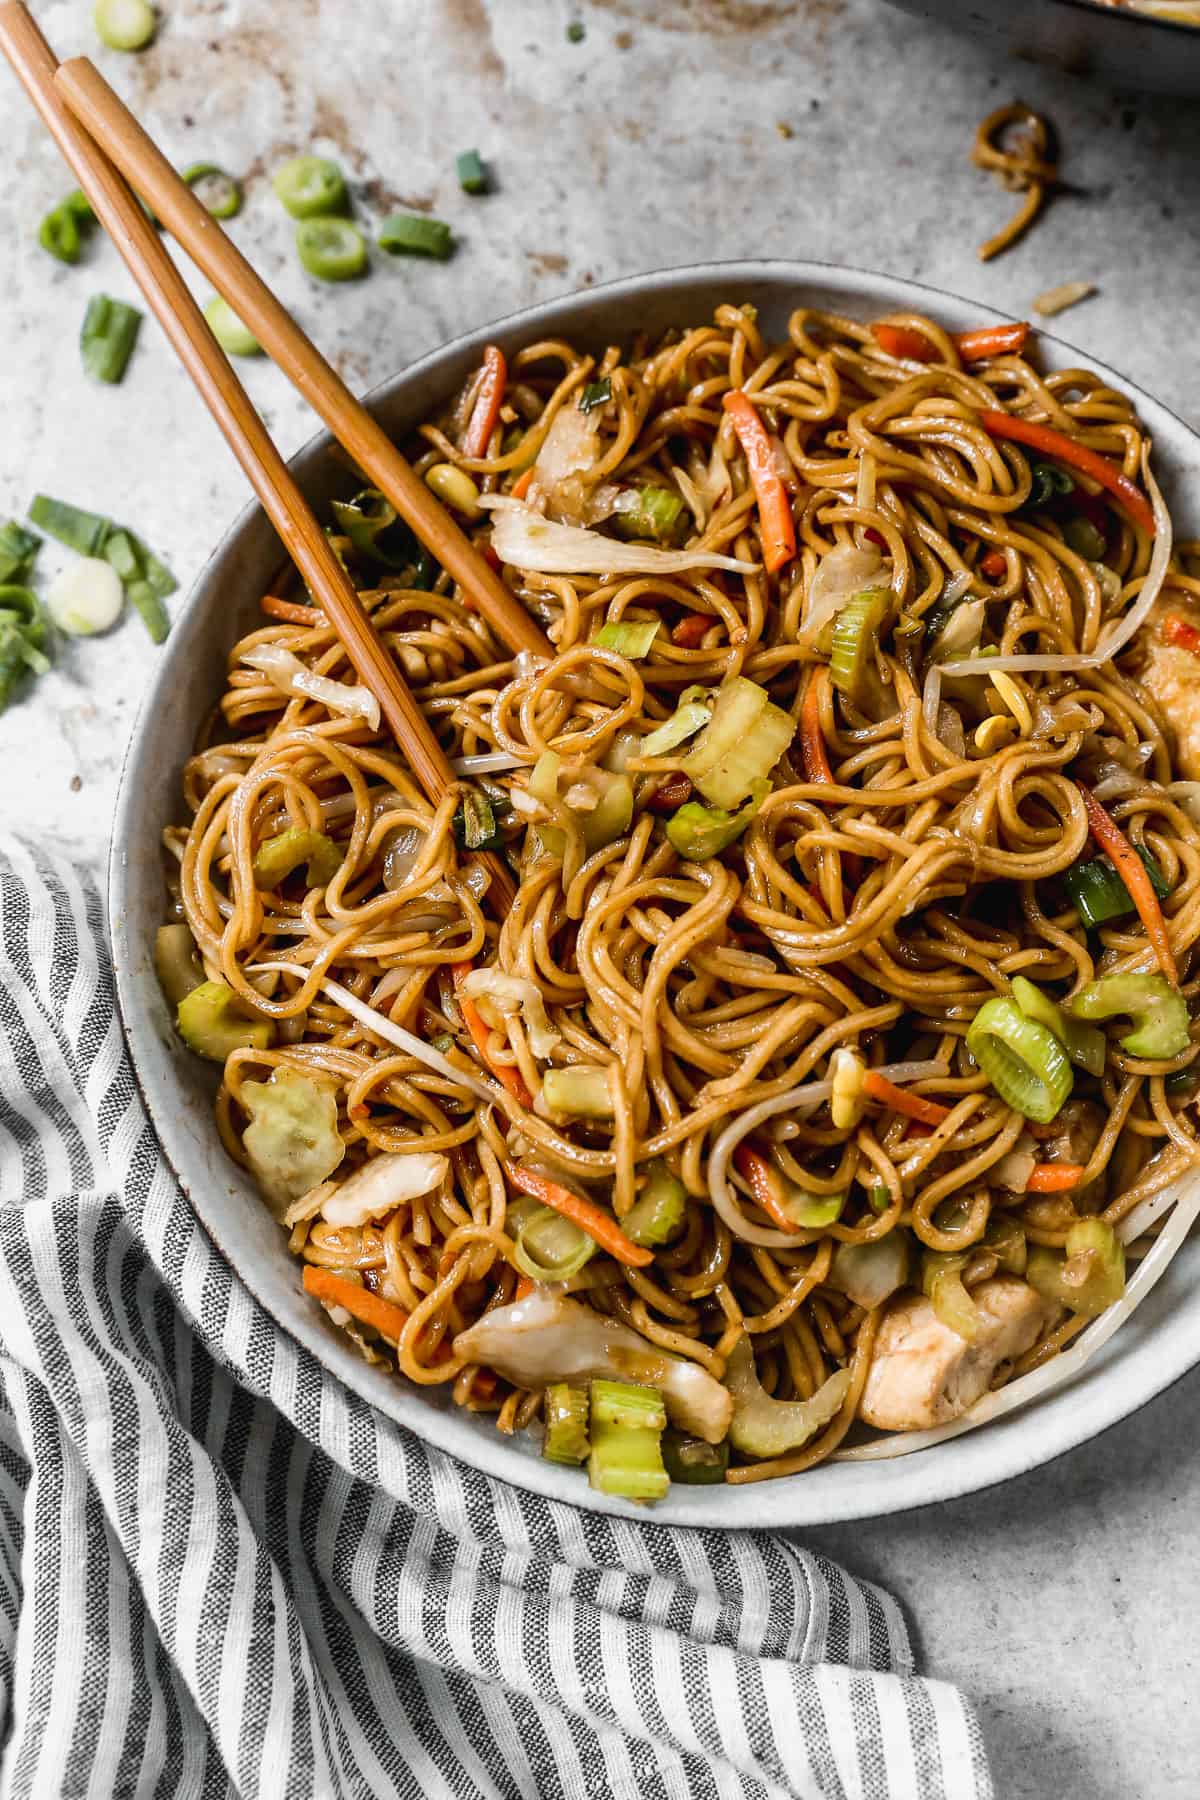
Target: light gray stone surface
x=1065, y=1602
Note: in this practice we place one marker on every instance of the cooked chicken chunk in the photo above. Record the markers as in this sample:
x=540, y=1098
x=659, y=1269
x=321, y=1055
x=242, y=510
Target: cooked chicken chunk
x=1172, y=677
x=925, y=1374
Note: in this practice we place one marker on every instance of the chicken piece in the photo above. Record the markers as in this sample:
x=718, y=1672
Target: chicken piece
x=1171, y=676
x=924, y=1374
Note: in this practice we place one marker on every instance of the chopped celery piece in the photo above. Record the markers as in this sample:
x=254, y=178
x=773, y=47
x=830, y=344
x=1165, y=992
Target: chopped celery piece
x=292, y=1140
x=626, y=1461
x=941, y=1280
x=744, y=739
x=691, y=1461
x=472, y=174
x=582, y=1093
x=628, y=637
x=1086, y=1045
x=689, y=717
x=1025, y=1063
x=280, y=856
x=475, y=824
x=211, y=1023
x=762, y=1426
x=813, y=1211
x=627, y=1403
x=565, y=1411
x=310, y=187
x=611, y=819
x=543, y=778
x=1089, y=1278
x=658, y=1213
x=548, y=1247
x=176, y=963
x=697, y=832
x=410, y=234
x=1158, y=1011
x=855, y=640
x=650, y=512
x=1098, y=894
x=374, y=528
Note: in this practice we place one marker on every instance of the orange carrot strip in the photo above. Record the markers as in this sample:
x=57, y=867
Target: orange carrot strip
x=590, y=1218
x=1138, y=886
x=775, y=523
x=505, y=1073
x=1088, y=462
x=369, y=1308
x=520, y=486
x=486, y=409
x=973, y=346
x=525, y=1287
x=764, y=1183
x=900, y=1100
x=691, y=630
x=813, y=754
x=292, y=611
x=1179, y=632
x=994, y=565
x=1053, y=1178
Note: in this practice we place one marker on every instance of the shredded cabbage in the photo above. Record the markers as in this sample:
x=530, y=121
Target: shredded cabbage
x=514, y=993
x=383, y=1184
x=523, y=538
x=846, y=571
x=290, y=676
x=292, y=1141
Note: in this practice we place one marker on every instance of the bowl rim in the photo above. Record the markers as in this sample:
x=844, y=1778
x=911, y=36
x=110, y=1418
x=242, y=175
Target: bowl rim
x=1119, y=1382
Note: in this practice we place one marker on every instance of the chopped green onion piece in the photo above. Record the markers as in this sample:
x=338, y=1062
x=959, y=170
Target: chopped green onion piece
x=1024, y=1062
x=657, y=513
x=1089, y=1278
x=176, y=963
x=411, y=234
x=878, y=1197
x=1006, y=1238
x=658, y=1213
x=576, y=31
x=124, y=24
x=689, y=717
x=86, y=597
x=80, y=207
x=374, y=528
x=1098, y=894
x=691, y=1461
x=744, y=739
x=697, y=832
x=565, y=1411
x=1084, y=539
x=310, y=187
x=472, y=176
x=211, y=1023
x=941, y=1280
x=1158, y=1011
x=1086, y=1045
x=331, y=249
x=150, y=609
x=121, y=552
x=23, y=638
x=550, y=1248
x=596, y=393
x=234, y=337
x=628, y=637
x=78, y=530
x=59, y=233
x=611, y=819
x=280, y=856
x=1048, y=482
x=218, y=193
x=856, y=632
x=626, y=1461
x=475, y=826
x=626, y=1403
x=581, y=1093
x=18, y=548
x=109, y=333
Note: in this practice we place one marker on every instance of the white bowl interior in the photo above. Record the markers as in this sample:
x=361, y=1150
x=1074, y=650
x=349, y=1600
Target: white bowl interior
x=1156, y=1347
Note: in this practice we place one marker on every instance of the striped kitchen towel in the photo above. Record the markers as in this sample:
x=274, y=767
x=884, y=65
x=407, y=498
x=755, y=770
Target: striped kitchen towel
x=221, y=1574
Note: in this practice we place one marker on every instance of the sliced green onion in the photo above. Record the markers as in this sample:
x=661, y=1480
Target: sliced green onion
x=374, y=528
x=147, y=581
x=280, y=856
x=1158, y=1011
x=611, y=818
x=310, y=187
x=176, y=963
x=550, y=1248
x=658, y=1213
x=692, y=1461
x=147, y=604
x=107, y=338
x=86, y=597
x=697, y=832
x=234, y=338
x=1048, y=481
x=744, y=739
x=1086, y=1045
x=627, y=1403
x=331, y=249
x=689, y=717
x=941, y=1280
x=1098, y=894
x=218, y=193
x=1006, y=1238
x=576, y=31
x=1024, y=1062
x=78, y=530
x=628, y=637
x=411, y=234
x=856, y=632
x=23, y=637
x=124, y=24
x=565, y=1411
x=475, y=826
x=472, y=176
x=653, y=512
x=1084, y=539
x=596, y=393
x=18, y=548
x=211, y=1024
x=59, y=233
x=581, y=1093
x=1089, y=1278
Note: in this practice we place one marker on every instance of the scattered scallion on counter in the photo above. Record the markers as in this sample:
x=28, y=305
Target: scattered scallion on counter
x=218, y=193
x=78, y=530
x=310, y=187
x=18, y=548
x=124, y=24
x=331, y=249
x=146, y=581
x=59, y=233
x=472, y=175
x=108, y=336
x=411, y=234
x=234, y=337
x=23, y=638
x=86, y=597
x=576, y=31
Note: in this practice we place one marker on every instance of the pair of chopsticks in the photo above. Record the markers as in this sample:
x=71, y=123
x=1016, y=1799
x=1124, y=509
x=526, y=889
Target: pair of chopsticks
x=111, y=157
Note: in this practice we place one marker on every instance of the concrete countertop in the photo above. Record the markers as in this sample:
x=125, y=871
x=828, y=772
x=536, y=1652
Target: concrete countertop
x=1064, y=1602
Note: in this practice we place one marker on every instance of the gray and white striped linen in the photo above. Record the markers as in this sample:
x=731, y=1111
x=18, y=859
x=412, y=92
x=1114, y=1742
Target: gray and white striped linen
x=221, y=1574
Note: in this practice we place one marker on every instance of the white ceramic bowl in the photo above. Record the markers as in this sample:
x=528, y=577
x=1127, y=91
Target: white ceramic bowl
x=1158, y=1345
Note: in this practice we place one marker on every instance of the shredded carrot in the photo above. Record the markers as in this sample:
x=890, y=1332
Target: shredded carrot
x=1054, y=1177
x=293, y=611
x=590, y=1218
x=1055, y=443
x=1179, y=632
x=764, y=1183
x=520, y=486
x=994, y=565
x=813, y=754
x=973, y=346
x=369, y=1308
x=691, y=630
x=776, y=526
x=1138, y=886
x=901, y=1100
x=486, y=409
x=505, y=1073
x=524, y=1288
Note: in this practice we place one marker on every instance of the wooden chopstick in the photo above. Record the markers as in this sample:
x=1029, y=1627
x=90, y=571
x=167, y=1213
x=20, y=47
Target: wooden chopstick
x=139, y=159
x=172, y=303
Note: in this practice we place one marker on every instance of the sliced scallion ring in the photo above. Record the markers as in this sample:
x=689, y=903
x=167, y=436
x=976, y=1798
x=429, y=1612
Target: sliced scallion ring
x=86, y=598
x=1023, y=1060
x=234, y=337
x=310, y=187
x=218, y=193
x=124, y=24
x=331, y=249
